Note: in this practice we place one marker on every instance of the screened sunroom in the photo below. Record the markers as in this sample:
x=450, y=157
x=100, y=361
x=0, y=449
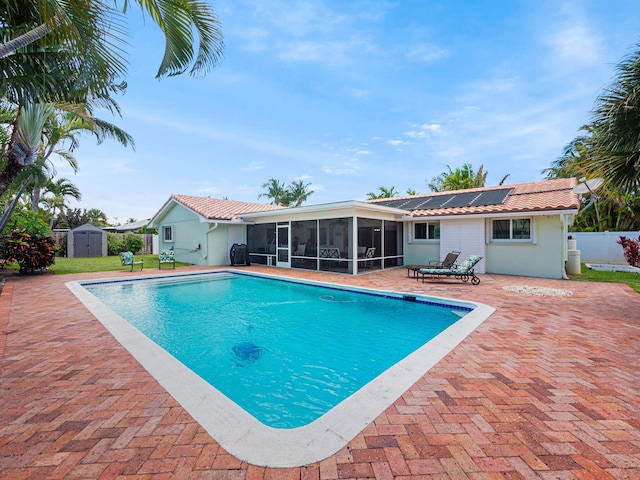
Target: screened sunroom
x=349, y=237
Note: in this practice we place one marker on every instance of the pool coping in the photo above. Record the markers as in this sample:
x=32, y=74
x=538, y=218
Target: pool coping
x=238, y=432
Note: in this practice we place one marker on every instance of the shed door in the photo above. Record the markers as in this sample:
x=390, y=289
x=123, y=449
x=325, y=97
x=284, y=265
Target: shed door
x=95, y=244
x=465, y=236
x=87, y=244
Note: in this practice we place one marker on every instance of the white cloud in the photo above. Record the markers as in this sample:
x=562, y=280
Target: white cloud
x=423, y=131
x=576, y=45
x=397, y=142
x=427, y=52
x=255, y=166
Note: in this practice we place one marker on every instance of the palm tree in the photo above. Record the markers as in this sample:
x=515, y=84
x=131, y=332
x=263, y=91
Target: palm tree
x=64, y=128
x=72, y=52
x=615, y=209
x=615, y=129
x=95, y=28
x=276, y=191
x=297, y=193
x=461, y=179
x=97, y=217
x=383, y=192
x=60, y=190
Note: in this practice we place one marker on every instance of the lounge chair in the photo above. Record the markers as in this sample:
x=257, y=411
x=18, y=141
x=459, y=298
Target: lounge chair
x=462, y=272
x=448, y=262
x=126, y=258
x=166, y=257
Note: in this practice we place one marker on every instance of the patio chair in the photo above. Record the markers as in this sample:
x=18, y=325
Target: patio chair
x=463, y=272
x=166, y=257
x=127, y=260
x=366, y=257
x=448, y=262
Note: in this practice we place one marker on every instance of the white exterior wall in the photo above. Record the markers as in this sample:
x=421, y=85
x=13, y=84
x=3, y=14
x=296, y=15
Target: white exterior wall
x=544, y=258
x=197, y=242
x=465, y=236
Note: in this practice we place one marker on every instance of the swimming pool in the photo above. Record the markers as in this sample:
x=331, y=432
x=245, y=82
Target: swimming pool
x=237, y=417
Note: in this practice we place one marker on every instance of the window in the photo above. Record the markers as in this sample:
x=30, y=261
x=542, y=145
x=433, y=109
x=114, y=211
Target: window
x=512, y=229
x=167, y=233
x=426, y=231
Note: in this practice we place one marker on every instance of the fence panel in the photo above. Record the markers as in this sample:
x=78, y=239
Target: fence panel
x=601, y=247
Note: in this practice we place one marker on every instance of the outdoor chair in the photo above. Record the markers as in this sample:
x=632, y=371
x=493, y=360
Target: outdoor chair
x=166, y=257
x=127, y=260
x=369, y=253
x=463, y=272
x=448, y=262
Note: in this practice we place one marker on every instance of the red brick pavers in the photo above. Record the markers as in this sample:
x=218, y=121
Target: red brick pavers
x=547, y=387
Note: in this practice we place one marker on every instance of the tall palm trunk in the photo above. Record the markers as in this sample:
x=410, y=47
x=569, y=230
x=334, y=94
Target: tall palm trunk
x=6, y=215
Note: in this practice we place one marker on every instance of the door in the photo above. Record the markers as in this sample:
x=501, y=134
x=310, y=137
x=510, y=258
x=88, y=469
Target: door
x=95, y=244
x=80, y=244
x=465, y=236
x=282, y=246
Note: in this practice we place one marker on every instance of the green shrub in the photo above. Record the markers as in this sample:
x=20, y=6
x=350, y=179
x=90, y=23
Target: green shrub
x=31, y=252
x=115, y=244
x=26, y=220
x=133, y=243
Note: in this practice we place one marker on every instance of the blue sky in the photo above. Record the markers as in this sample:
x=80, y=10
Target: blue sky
x=351, y=96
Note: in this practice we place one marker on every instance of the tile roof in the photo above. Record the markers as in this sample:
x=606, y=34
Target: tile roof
x=216, y=209
x=547, y=195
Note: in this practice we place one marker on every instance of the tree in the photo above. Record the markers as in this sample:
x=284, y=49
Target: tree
x=297, y=193
x=615, y=129
x=383, y=192
x=97, y=217
x=64, y=128
x=73, y=52
x=276, y=191
x=615, y=209
x=59, y=191
x=461, y=179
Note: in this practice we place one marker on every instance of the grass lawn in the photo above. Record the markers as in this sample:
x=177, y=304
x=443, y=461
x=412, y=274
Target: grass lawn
x=103, y=264
x=65, y=265
x=631, y=279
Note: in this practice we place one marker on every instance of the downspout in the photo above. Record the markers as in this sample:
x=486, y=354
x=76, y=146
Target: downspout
x=565, y=246
x=206, y=236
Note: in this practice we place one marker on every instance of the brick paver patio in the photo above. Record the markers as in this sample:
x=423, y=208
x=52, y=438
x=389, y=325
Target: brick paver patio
x=547, y=387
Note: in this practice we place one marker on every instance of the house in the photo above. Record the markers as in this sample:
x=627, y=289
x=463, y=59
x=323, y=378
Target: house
x=131, y=227
x=518, y=229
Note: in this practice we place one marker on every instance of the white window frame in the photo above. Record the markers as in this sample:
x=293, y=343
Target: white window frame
x=428, y=239
x=532, y=230
x=171, y=229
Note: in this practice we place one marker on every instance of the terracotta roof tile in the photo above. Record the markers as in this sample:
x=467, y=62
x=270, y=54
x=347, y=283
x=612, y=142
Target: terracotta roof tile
x=216, y=209
x=545, y=195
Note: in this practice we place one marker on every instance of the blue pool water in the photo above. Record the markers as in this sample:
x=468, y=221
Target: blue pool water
x=285, y=352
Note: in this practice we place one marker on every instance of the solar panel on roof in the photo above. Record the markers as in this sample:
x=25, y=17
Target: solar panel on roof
x=449, y=200
x=492, y=197
x=461, y=200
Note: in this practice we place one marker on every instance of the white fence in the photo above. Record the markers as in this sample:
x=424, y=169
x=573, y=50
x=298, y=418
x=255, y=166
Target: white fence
x=601, y=247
